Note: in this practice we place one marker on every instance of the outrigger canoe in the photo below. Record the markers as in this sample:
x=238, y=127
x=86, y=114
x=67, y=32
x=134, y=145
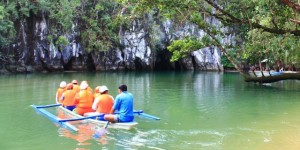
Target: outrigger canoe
x=69, y=116
x=125, y=125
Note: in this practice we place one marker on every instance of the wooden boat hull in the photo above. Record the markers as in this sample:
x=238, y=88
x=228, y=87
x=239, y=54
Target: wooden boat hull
x=286, y=75
x=264, y=73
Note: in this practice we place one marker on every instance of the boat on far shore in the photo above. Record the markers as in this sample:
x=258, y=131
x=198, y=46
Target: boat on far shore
x=264, y=73
x=269, y=73
x=271, y=76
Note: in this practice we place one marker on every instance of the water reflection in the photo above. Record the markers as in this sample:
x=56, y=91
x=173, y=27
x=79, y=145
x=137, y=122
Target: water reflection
x=84, y=136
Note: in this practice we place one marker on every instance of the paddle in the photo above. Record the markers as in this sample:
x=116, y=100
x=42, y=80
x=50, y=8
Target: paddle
x=101, y=131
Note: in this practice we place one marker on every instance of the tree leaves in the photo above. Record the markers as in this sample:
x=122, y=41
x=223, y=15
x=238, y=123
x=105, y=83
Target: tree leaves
x=183, y=47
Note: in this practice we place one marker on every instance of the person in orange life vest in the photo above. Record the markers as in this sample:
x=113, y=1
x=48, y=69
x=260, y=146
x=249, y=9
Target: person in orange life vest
x=97, y=93
x=84, y=100
x=76, y=87
x=104, y=102
x=68, y=97
x=62, y=88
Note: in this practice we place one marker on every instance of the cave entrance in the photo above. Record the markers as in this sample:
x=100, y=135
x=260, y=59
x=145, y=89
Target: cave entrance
x=68, y=66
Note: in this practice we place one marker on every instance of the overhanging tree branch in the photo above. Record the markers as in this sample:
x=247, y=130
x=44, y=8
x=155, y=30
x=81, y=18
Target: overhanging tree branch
x=227, y=17
x=292, y=5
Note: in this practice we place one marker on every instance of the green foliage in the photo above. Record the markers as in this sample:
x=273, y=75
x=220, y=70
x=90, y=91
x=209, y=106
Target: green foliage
x=7, y=31
x=100, y=24
x=181, y=48
x=262, y=27
x=98, y=21
x=62, y=41
x=226, y=63
x=261, y=45
x=62, y=13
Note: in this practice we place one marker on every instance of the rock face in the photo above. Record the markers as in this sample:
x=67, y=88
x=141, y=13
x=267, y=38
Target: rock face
x=142, y=47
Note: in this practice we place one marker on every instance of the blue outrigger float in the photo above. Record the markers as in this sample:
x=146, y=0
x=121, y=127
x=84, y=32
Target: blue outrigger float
x=73, y=117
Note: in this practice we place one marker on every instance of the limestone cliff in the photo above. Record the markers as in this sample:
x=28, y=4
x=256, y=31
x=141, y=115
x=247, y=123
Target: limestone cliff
x=142, y=47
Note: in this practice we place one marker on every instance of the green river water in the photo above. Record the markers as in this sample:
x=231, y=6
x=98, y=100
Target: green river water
x=198, y=110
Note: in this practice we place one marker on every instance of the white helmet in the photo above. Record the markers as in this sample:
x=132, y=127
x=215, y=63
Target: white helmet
x=63, y=84
x=83, y=85
x=103, y=89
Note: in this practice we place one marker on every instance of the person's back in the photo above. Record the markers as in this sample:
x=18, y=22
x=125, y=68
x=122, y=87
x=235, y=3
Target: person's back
x=76, y=88
x=123, y=105
x=104, y=102
x=84, y=100
x=68, y=97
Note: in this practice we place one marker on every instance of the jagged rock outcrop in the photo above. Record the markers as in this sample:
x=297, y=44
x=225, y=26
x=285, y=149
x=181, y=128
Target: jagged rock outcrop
x=142, y=47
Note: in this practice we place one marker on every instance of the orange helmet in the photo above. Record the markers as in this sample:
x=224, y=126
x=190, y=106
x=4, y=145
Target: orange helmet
x=70, y=86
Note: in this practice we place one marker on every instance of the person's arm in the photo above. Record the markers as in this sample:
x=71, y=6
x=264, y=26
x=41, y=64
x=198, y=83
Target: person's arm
x=115, y=106
x=56, y=98
x=62, y=97
x=112, y=97
x=95, y=104
x=112, y=111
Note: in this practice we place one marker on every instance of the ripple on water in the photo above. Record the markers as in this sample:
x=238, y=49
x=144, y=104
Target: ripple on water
x=165, y=139
x=285, y=138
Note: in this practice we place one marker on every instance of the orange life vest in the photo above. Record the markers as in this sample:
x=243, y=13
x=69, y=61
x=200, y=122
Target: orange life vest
x=59, y=93
x=84, y=101
x=68, y=98
x=90, y=89
x=105, y=103
x=76, y=88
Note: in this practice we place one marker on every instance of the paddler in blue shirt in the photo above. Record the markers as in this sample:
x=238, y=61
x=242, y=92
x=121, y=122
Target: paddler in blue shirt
x=123, y=105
